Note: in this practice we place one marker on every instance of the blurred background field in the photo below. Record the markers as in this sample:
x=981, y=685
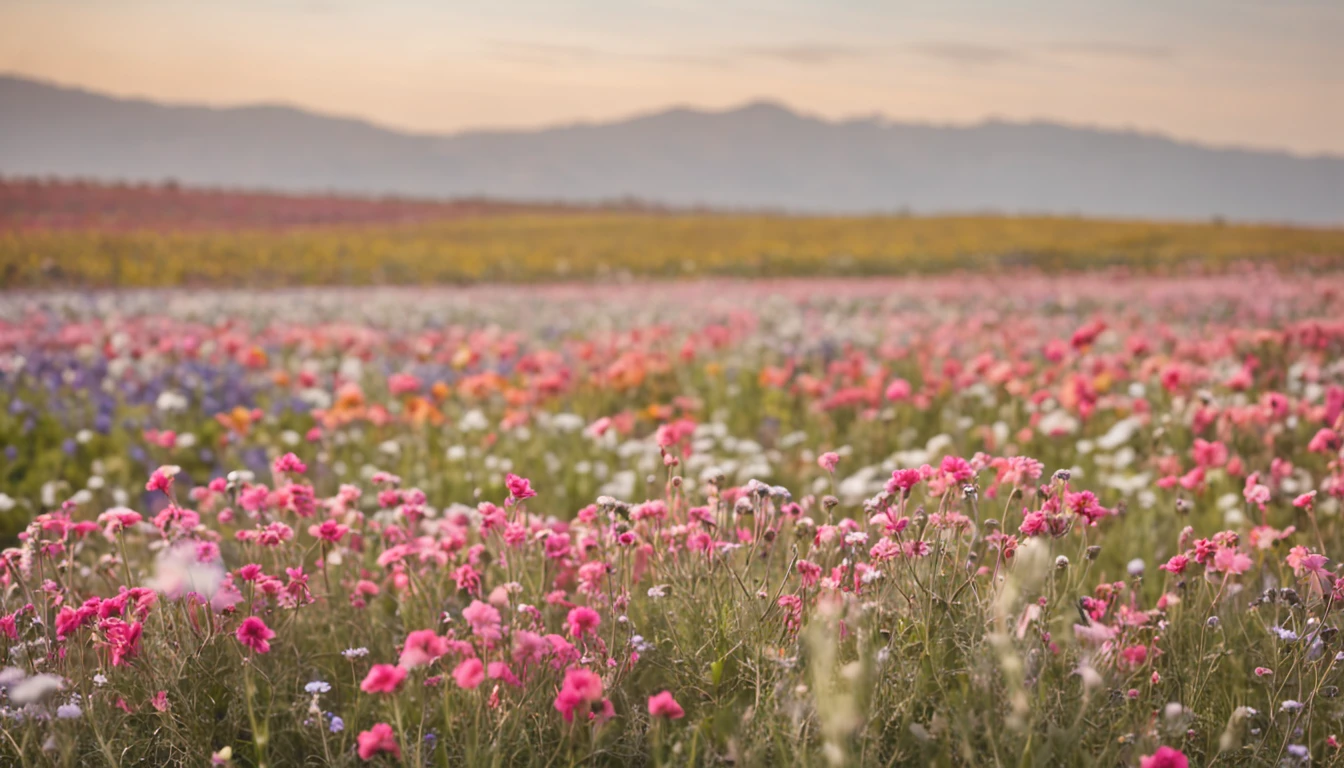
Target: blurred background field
x=83, y=235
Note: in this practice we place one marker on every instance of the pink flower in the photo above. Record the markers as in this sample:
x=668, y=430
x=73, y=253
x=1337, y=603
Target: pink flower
x=422, y=647
x=118, y=518
x=957, y=468
x=1208, y=454
x=161, y=479
x=470, y=673
x=1084, y=504
x=809, y=573
x=519, y=487
x=582, y=687
x=1301, y=502
x=529, y=647
x=1033, y=523
x=1231, y=560
x=403, y=383
x=898, y=389
x=250, y=572
x=329, y=531
x=123, y=639
x=1255, y=493
x=1176, y=565
x=903, y=480
x=484, y=620
x=1164, y=757
x=289, y=463
x=379, y=738
x=254, y=634
x=582, y=620
x=383, y=678
x=828, y=460
x=499, y=670
x=1303, y=562
x=1325, y=441
x=663, y=705
x=1134, y=655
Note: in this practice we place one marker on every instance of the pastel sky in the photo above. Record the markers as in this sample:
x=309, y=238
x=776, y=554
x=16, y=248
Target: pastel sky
x=1262, y=73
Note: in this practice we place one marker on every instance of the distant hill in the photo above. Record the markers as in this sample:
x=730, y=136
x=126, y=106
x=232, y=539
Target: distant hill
x=757, y=156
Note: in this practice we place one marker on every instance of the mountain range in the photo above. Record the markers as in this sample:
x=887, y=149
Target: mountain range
x=758, y=156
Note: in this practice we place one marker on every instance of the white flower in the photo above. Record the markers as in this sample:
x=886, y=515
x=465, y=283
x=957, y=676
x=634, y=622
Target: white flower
x=178, y=572
x=567, y=422
x=171, y=402
x=36, y=689
x=1120, y=433
x=473, y=421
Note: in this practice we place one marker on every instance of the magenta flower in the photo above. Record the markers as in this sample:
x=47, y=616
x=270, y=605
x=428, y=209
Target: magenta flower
x=161, y=479
x=498, y=670
x=903, y=480
x=289, y=463
x=1165, y=757
x=582, y=620
x=379, y=738
x=123, y=639
x=254, y=634
x=422, y=647
x=383, y=678
x=580, y=689
x=470, y=673
x=519, y=487
x=898, y=389
x=484, y=620
x=118, y=518
x=663, y=705
x=1231, y=560
x=329, y=531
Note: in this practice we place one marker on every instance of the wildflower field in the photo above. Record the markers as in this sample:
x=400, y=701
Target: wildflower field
x=1022, y=519
x=57, y=235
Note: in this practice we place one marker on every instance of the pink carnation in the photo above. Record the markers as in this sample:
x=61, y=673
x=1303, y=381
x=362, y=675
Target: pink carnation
x=663, y=705
x=379, y=738
x=383, y=678
x=254, y=634
x=470, y=673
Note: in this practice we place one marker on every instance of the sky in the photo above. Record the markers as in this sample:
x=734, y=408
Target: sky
x=1253, y=73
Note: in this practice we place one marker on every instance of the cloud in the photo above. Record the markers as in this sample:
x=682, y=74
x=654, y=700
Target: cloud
x=804, y=54
x=1115, y=50
x=557, y=53
x=546, y=52
x=969, y=54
